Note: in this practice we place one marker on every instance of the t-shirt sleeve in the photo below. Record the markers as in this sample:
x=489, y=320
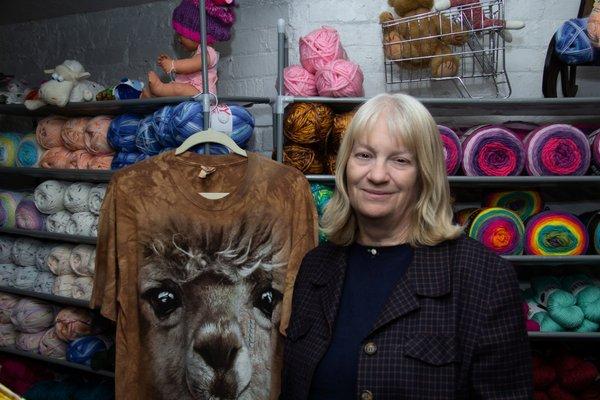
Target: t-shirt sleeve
x=104, y=294
x=304, y=239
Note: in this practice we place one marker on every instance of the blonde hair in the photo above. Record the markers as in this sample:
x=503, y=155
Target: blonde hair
x=407, y=119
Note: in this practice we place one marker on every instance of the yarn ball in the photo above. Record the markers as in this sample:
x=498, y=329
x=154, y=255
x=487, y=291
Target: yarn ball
x=31, y=315
x=591, y=220
x=162, y=127
x=73, y=133
x=498, y=229
x=8, y=207
x=41, y=256
x=555, y=233
x=44, y=282
x=59, y=259
x=122, y=159
x=29, y=342
x=72, y=323
x=299, y=82
x=561, y=305
x=58, y=222
x=79, y=259
x=29, y=152
x=8, y=335
x=146, y=139
x=77, y=196
x=340, y=124
x=27, y=216
x=452, y=149
x=8, y=274
x=82, y=288
x=7, y=303
x=492, y=150
x=63, y=285
x=94, y=228
x=48, y=131
x=96, y=196
x=25, y=277
x=56, y=157
x=524, y=202
x=49, y=196
x=572, y=43
x=52, y=346
x=81, y=224
x=303, y=158
x=330, y=162
x=79, y=159
x=122, y=132
x=24, y=250
x=96, y=133
x=321, y=196
x=9, y=145
x=587, y=294
x=101, y=162
x=575, y=373
x=557, y=149
x=6, y=244
x=82, y=350
x=340, y=78
x=320, y=47
x=308, y=123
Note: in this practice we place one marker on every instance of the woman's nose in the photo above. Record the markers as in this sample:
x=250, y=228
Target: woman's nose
x=378, y=172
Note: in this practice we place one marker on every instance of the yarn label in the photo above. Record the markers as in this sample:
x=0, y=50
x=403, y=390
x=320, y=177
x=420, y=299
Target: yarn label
x=577, y=287
x=533, y=309
x=221, y=119
x=543, y=297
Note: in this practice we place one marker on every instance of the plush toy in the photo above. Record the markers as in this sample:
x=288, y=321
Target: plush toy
x=68, y=84
x=13, y=90
x=476, y=17
x=425, y=37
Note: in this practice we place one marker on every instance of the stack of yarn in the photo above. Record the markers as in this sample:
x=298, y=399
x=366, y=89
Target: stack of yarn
x=325, y=69
x=568, y=303
x=71, y=208
x=76, y=143
x=564, y=376
x=60, y=269
x=19, y=150
x=135, y=137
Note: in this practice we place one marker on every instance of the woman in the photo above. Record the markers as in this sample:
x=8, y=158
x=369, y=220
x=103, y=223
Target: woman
x=400, y=304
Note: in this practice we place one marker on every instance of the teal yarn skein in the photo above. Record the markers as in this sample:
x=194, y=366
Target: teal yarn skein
x=539, y=315
x=588, y=326
x=586, y=293
x=561, y=305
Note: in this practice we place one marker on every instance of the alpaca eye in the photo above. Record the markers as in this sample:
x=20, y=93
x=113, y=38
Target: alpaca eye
x=163, y=301
x=267, y=300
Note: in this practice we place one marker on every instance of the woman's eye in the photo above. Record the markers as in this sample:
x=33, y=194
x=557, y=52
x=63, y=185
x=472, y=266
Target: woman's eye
x=402, y=161
x=163, y=301
x=267, y=300
x=362, y=155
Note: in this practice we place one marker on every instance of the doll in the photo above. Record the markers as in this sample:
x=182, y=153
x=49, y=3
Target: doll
x=187, y=71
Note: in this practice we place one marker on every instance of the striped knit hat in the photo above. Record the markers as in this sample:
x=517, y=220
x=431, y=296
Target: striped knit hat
x=186, y=22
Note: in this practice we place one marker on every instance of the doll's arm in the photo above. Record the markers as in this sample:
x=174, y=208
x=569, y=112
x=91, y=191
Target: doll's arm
x=181, y=66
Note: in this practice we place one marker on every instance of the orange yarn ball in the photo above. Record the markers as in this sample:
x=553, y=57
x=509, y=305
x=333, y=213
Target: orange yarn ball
x=56, y=157
x=47, y=132
x=308, y=123
x=101, y=162
x=340, y=124
x=73, y=133
x=79, y=159
x=330, y=161
x=303, y=158
x=95, y=139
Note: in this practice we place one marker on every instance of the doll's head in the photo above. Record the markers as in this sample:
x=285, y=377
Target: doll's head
x=186, y=22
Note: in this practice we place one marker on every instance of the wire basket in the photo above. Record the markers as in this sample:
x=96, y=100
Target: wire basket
x=462, y=45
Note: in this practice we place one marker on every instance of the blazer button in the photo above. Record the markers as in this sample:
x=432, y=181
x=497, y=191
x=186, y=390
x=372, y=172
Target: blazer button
x=366, y=395
x=370, y=348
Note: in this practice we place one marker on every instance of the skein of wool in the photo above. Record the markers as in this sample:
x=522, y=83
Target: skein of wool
x=73, y=133
x=591, y=220
x=29, y=342
x=52, y=346
x=81, y=224
x=561, y=305
x=162, y=127
x=82, y=350
x=330, y=162
x=452, y=149
x=8, y=207
x=340, y=78
x=572, y=43
x=63, y=285
x=41, y=256
x=587, y=326
x=298, y=82
x=523, y=202
x=48, y=131
x=25, y=278
x=82, y=288
x=122, y=159
x=8, y=335
x=320, y=47
x=44, y=282
x=96, y=196
x=79, y=159
x=58, y=259
x=6, y=244
x=340, y=125
x=308, y=123
x=24, y=250
x=58, y=222
x=96, y=132
x=7, y=303
x=79, y=259
x=8, y=274
x=492, y=150
x=101, y=162
x=56, y=157
x=49, y=196
x=498, y=229
x=586, y=293
x=303, y=158
x=122, y=132
x=557, y=149
x=77, y=196
x=574, y=373
x=72, y=323
x=555, y=233
x=29, y=152
x=9, y=145
x=31, y=315
x=27, y=216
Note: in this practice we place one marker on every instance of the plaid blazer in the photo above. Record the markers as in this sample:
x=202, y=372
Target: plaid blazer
x=453, y=327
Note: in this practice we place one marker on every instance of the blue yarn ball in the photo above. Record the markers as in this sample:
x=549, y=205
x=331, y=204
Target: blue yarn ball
x=146, y=138
x=161, y=125
x=186, y=120
x=29, y=152
x=572, y=43
x=81, y=350
x=123, y=159
x=122, y=132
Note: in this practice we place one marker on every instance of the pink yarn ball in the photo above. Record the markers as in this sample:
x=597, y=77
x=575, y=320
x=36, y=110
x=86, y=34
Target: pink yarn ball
x=56, y=157
x=95, y=136
x=79, y=159
x=299, y=82
x=48, y=131
x=72, y=323
x=340, y=78
x=319, y=48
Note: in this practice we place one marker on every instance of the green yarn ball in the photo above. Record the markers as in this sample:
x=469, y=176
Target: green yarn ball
x=321, y=195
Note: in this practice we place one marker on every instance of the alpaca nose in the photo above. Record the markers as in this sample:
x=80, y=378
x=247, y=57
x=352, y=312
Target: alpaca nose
x=219, y=350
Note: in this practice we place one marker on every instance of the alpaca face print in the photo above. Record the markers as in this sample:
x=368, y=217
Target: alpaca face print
x=208, y=305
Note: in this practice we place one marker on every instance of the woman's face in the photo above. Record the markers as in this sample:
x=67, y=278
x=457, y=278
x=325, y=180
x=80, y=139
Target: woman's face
x=381, y=176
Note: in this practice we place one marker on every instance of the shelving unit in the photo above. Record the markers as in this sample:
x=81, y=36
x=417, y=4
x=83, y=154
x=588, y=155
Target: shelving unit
x=67, y=301
x=59, y=237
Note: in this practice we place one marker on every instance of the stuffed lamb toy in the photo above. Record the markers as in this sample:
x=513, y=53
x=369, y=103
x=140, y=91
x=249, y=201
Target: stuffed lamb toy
x=68, y=85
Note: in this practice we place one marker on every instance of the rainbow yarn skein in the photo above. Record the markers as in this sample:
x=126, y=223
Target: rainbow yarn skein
x=9, y=144
x=524, y=202
x=498, y=229
x=555, y=233
x=591, y=220
x=557, y=149
x=452, y=149
x=492, y=150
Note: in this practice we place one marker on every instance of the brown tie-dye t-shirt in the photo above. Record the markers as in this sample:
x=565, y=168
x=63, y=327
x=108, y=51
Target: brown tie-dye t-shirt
x=201, y=289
